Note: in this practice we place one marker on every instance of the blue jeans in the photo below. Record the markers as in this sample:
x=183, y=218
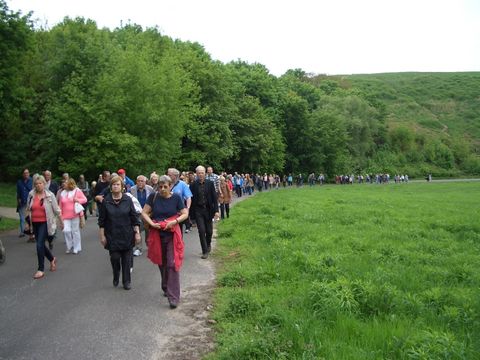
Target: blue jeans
x=21, y=214
x=41, y=233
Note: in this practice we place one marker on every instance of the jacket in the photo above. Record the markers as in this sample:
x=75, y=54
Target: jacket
x=210, y=197
x=118, y=221
x=155, y=244
x=52, y=210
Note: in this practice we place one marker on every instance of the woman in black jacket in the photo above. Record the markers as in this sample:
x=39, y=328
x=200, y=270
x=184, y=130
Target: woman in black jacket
x=119, y=230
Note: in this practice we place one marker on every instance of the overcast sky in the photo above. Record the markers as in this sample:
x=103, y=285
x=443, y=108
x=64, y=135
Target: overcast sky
x=322, y=36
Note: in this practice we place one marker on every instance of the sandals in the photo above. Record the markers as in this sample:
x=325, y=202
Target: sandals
x=53, y=264
x=39, y=275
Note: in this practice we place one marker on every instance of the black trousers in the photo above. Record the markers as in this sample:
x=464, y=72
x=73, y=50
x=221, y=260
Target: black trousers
x=224, y=208
x=205, y=228
x=121, y=259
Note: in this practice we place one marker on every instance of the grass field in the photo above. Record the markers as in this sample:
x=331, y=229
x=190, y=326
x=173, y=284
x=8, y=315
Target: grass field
x=351, y=272
x=8, y=195
x=8, y=224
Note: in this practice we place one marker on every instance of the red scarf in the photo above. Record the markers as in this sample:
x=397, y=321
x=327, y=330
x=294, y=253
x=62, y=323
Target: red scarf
x=155, y=244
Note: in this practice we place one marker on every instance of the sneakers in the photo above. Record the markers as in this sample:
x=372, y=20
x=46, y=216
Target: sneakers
x=137, y=252
x=205, y=256
x=187, y=231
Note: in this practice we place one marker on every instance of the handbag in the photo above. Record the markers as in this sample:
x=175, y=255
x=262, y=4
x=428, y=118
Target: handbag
x=78, y=208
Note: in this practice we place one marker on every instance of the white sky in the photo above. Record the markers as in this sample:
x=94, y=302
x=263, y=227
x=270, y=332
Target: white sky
x=322, y=36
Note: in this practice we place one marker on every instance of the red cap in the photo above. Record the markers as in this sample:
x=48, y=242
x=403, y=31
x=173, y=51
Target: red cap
x=121, y=171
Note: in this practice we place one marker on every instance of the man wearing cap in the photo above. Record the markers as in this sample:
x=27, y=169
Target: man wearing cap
x=126, y=180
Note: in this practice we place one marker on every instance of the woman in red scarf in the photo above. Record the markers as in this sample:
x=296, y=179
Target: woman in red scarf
x=163, y=211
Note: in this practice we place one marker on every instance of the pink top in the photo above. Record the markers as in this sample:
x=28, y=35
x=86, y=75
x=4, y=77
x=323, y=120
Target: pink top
x=67, y=202
x=38, y=210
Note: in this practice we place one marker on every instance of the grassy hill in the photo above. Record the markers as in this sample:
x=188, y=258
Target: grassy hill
x=445, y=103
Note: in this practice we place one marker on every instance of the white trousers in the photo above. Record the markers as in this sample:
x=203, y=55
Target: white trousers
x=71, y=231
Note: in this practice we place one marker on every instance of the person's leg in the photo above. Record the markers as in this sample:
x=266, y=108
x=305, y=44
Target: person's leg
x=40, y=231
x=208, y=232
x=200, y=219
x=163, y=267
x=173, y=277
x=126, y=256
x=115, y=261
x=67, y=233
x=222, y=211
x=21, y=215
x=76, y=236
x=227, y=209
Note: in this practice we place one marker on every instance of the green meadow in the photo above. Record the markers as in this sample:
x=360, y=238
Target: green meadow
x=351, y=272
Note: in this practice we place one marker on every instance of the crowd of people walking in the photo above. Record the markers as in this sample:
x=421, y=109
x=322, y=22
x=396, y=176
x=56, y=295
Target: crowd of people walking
x=158, y=208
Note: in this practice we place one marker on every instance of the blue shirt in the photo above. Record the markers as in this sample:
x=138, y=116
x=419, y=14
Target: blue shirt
x=23, y=188
x=182, y=189
x=142, y=197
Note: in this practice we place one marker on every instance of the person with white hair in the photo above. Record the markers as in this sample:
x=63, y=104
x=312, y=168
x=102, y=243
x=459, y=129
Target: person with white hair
x=204, y=208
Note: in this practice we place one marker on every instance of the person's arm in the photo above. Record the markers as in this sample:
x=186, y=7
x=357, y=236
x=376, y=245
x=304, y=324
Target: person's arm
x=56, y=210
x=102, y=215
x=80, y=197
x=182, y=217
x=147, y=209
x=215, y=204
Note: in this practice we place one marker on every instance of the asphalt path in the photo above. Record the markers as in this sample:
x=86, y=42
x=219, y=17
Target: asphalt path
x=76, y=313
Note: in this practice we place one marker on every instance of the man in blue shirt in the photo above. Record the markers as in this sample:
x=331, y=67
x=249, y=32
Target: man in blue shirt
x=181, y=188
x=24, y=186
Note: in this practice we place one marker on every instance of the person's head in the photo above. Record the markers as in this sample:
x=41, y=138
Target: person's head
x=200, y=171
x=173, y=174
x=47, y=175
x=141, y=182
x=209, y=170
x=222, y=179
x=122, y=173
x=154, y=178
x=81, y=178
x=116, y=185
x=39, y=183
x=65, y=176
x=94, y=183
x=164, y=185
x=105, y=175
x=70, y=184
x=25, y=174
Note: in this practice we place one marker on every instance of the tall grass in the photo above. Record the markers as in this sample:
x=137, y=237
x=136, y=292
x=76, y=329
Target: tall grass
x=351, y=272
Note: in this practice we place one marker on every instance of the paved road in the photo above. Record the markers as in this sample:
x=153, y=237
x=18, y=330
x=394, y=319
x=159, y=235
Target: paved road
x=76, y=313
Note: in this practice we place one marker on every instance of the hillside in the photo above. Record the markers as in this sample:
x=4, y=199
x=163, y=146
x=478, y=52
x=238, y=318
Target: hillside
x=446, y=103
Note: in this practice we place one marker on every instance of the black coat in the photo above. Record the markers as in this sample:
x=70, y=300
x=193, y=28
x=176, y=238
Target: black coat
x=210, y=197
x=118, y=221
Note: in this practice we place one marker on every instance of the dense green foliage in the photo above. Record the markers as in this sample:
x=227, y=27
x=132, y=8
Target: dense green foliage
x=351, y=272
x=80, y=99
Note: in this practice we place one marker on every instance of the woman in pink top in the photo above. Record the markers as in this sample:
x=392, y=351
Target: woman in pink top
x=71, y=220
x=43, y=211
